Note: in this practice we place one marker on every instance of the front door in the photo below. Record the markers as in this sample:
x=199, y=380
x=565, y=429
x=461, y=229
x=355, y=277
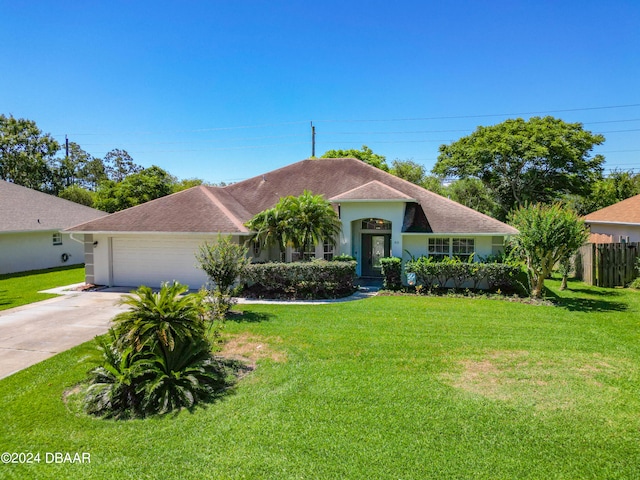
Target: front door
x=374, y=247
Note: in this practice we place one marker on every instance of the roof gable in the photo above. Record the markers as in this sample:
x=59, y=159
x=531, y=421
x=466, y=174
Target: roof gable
x=372, y=191
x=26, y=210
x=626, y=211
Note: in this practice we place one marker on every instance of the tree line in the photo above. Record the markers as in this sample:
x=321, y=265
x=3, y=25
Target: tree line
x=34, y=159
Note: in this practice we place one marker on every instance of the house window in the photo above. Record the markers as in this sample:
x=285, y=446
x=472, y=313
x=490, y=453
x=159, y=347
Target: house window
x=439, y=248
x=308, y=255
x=376, y=224
x=57, y=238
x=463, y=248
x=256, y=249
x=497, y=245
x=327, y=250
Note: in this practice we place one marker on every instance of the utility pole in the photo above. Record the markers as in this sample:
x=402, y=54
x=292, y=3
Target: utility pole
x=313, y=141
x=66, y=145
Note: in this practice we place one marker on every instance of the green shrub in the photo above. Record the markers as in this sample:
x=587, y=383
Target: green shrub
x=223, y=262
x=452, y=272
x=315, y=279
x=343, y=257
x=391, y=273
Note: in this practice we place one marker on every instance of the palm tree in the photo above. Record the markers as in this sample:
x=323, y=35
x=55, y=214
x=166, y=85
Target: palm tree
x=269, y=226
x=161, y=317
x=312, y=220
x=301, y=222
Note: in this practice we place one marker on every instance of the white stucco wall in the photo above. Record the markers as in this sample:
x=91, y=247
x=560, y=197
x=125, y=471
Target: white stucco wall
x=20, y=252
x=618, y=230
x=351, y=215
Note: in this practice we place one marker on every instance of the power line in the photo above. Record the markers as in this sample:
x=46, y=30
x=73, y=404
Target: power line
x=300, y=122
x=453, y=117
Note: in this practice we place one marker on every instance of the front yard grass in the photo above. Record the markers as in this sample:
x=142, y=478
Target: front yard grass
x=388, y=387
x=22, y=288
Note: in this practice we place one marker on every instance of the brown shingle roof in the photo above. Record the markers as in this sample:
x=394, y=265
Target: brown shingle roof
x=626, y=211
x=195, y=211
x=24, y=210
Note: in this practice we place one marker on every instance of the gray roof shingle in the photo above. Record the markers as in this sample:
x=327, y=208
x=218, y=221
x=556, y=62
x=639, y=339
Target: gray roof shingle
x=25, y=210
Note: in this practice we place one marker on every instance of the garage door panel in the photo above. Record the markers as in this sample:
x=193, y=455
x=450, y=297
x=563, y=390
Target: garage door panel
x=150, y=261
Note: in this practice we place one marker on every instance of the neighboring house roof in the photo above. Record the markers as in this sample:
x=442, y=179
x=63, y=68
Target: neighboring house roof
x=625, y=212
x=226, y=209
x=25, y=210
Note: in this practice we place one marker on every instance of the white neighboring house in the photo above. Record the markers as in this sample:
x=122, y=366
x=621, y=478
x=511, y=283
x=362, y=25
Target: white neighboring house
x=31, y=225
x=382, y=215
x=616, y=223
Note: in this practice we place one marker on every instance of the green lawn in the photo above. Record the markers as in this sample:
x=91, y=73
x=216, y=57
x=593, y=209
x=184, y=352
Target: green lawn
x=388, y=387
x=22, y=288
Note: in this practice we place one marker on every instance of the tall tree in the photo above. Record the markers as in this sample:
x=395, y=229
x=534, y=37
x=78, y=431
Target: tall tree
x=134, y=189
x=118, y=164
x=26, y=154
x=77, y=194
x=472, y=193
x=615, y=187
x=433, y=184
x=365, y=154
x=521, y=162
x=549, y=234
x=409, y=170
x=186, y=183
x=73, y=168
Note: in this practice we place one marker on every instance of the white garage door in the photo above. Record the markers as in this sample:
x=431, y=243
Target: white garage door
x=149, y=261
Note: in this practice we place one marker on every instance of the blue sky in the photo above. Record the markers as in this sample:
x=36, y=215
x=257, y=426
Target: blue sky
x=224, y=90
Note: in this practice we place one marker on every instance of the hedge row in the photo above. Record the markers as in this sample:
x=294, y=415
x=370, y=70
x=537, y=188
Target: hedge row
x=315, y=279
x=458, y=274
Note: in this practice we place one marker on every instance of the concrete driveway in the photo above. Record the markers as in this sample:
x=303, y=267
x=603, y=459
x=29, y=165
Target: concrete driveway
x=31, y=333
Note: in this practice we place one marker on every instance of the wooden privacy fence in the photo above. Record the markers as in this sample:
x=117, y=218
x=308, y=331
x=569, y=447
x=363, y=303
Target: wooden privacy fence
x=607, y=264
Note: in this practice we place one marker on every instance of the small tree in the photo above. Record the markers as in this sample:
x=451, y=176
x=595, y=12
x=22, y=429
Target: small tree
x=223, y=262
x=548, y=234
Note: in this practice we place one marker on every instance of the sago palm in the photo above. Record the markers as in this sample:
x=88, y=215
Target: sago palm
x=114, y=385
x=163, y=317
x=180, y=377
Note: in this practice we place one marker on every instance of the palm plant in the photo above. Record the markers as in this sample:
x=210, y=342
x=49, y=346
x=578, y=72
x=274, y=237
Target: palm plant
x=180, y=377
x=161, y=317
x=114, y=385
x=269, y=226
x=312, y=220
x=301, y=221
